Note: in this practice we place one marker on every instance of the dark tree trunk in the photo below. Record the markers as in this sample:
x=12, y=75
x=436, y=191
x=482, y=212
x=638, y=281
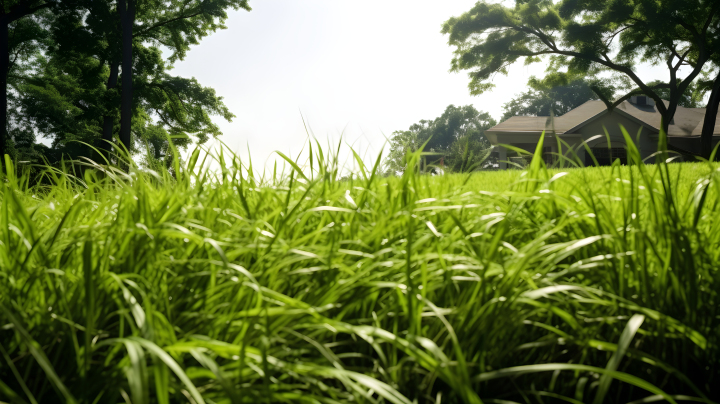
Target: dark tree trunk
x=4, y=69
x=668, y=117
x=19, y=10
x=109, y=120
x=127, y=21
x=710, y=118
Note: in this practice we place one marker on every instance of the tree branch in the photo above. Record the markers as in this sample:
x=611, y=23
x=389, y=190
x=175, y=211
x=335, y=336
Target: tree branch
x=710, y=17
x=607, y=63
x=171, y=20
x=682, y=59
x=168, y=91
x=24, y=8
x=164, y=119
x=616, y=33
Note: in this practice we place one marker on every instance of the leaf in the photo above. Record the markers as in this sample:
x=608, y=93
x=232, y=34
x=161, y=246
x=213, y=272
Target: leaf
x=170, y=363
x=633, y=325
x=39, y=356
x=550, y=367
x=293, y=165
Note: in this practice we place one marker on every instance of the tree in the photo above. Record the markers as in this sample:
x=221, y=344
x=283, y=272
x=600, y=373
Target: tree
x=468, y=153
x=457, y=124
x=126, y=8
x=69, y=103
x=175, y=24
x=74, y=96
x=19, y=37
x=61, y=102
x=402, y=142
x=691, y=98
x=583, y=37
x=543, y=99
x=692, y=34
x=711, y=110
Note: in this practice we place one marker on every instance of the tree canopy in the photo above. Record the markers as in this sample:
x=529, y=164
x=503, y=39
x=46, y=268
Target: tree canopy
x=455, y=139
x=546, y=97
x=23, y=36
x=543, y=99
x=68, y=87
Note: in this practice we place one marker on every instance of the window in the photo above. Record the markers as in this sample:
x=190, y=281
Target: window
x=641, y=100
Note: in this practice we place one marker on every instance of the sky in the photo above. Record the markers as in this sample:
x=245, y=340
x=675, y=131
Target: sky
x=359, y=70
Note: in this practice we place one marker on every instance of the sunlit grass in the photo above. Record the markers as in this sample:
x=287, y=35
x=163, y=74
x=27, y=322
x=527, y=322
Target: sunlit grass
x=575, y=285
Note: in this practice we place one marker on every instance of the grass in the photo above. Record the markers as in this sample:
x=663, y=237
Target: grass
x=539, y=286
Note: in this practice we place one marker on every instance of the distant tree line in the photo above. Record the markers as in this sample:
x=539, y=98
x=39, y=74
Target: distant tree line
x=454, y=141
x=96, y=72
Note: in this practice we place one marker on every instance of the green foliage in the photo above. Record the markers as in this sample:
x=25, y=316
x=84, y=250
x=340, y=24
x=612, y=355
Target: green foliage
x=544, y=99
x=27, y=42
x=179, y=24
x=440, y=138
x=62, y=102
x=488, y=40
x=67, y=96
x=468, y=153
x=691, y=98
x=402, y=143
x=583, y=285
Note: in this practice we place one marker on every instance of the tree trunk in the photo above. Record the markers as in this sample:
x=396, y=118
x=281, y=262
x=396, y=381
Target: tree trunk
x=109, y=120
x=710, y=118
x=668, y=117
x=4, y=69
x=127, y=21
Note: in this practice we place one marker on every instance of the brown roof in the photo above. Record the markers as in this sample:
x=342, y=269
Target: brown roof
x=522, y=124
x=698, y=129
x=687, y=122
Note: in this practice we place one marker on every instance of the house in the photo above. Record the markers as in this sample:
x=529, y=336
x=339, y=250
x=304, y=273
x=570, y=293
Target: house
x=638, y=115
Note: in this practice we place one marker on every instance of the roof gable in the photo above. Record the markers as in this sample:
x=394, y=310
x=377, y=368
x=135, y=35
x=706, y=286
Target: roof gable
x=620, y=111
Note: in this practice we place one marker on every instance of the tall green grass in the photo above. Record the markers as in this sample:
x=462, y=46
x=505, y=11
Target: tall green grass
x=539, y=286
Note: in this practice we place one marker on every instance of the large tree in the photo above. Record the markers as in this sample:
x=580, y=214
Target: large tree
x=457, y=136
x=75, y=95
x=174, y=24
x=21, y=30
x=710, y=84
x=68, y=102
x=583, y=37
x=689, y=31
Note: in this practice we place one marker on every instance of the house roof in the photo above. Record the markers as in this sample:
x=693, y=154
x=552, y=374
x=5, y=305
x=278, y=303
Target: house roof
x=687, y=122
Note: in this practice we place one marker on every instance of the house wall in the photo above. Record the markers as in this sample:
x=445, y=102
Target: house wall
x=644, y=137
x=502, y=157
x=612, y=122
x=691, y=144
x=527, y=142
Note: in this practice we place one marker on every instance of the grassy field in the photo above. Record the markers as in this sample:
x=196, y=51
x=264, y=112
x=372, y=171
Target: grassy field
x=538, y=286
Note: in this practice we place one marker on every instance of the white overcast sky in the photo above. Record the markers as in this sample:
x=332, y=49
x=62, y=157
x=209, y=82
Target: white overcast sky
x=359, y=68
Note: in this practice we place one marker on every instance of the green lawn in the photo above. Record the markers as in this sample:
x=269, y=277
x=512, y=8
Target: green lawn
x=578, y=285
